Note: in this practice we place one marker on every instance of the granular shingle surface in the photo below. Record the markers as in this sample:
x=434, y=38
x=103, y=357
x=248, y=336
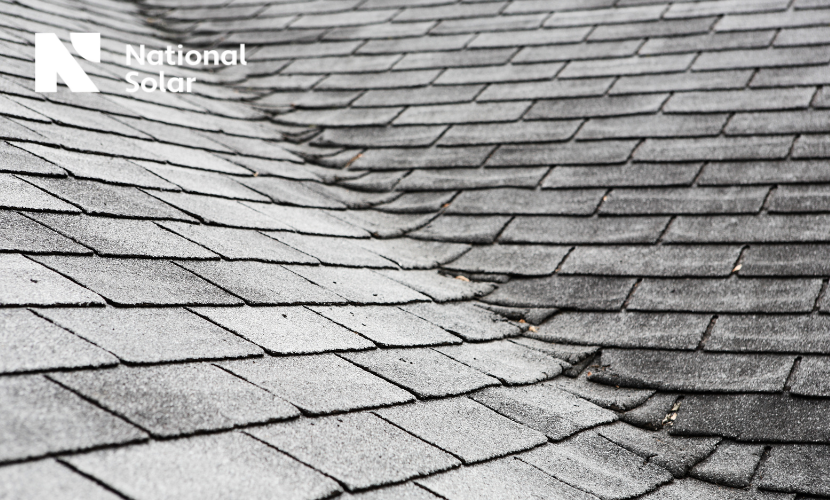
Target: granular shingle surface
x=493, y=223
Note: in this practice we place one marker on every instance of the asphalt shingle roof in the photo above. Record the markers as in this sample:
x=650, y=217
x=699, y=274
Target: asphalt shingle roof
x=420, y=249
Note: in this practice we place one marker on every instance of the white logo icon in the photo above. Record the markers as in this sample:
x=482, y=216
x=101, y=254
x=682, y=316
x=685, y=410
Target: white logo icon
x=52, y=58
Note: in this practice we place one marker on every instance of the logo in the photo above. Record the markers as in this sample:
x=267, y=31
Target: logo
x=52, y=58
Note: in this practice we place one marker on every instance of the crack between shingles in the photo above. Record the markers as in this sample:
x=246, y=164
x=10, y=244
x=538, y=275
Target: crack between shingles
x=707, y=333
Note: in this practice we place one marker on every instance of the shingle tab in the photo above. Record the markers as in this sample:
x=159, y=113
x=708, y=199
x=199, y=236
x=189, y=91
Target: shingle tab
x=597, y=106
x=796, y=468
x=209, y=467
x=466, y=429
x=657, y=201
x=731, y=464
x=511, y=363
x=173, y=400
x=739, y=100
x=535, y=260
x=49, y=479
x=665, y=260
x=285, y=330
x=591, y=463
x=752, y=417
x=712, y=295
x=18, y=194
x=376, y=323
x=23, y=282
x=719, y=149
x=693, y=371
x=360, y=286
x=41, y=418
x=748, y=229
x=424, y=372
x=523, y=201
x=626, y=329
x=578, y=292
x=359, y=450
x=465, y=320
x=31, y=343
x=546, y=408
x=319, y=384
x=463, y=228
x=503, y=478
x=22, y=234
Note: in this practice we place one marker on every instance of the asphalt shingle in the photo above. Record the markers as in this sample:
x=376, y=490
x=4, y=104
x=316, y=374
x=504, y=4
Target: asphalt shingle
x=40, y=418
x=388, y=326
x=511, y=363
x=465, y=320
x=27, y=283
x=359, y=450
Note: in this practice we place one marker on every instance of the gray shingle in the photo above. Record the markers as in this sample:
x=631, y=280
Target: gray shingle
x=712, y=200
x=802, y=334
x=418, y=202
x=209, y=183
x=31, y=343
x=811, y=146
x=465, y=320
x=418, y=95
x=739, y=100
x=290, y=192
x=285, y=330
x=18, y=233
x=340, y=64
x=591, y=463
x=666, y=260
x=511, y=363
x=800, y=199
x=733, y=295
x=16, y=193
x=652, y=414
x=413, y=44
x=139, y=281
x=693, y=371
x=577, y=292
x=545, y=90
x=25, y=282
x=415, y=254
x=652, y=29
x=209, y=467
x=466, y=429
x=476, y=57
x=730, y=465
x=462, y=135
x=343, y=117
x=19, y=160
x=360, y=286
x=527, y=260
x=577, y=51
x=235, y=244
x=597, y=106
x=529, y=37
x=652, y=126
x=263, y=284
x=146, y=335
x=785, y=260
x=41, y=418
x=632, y=174
x=710, y=80
x=359, y=450
x=467, y=178
x=309, y=220
x=577, y=356
x=501, y=23
x=606, y=16
x=613, y=398
x=796, y=468
x=573, y=153
x=389, y=80
x=124, y=238
x=424, y=372
x=319, y=384
x=463, y=228
x=388, y=326
x=764, y=172
x=626, y=329
x=387, y=159
x=634, y=65
x=753, y=417
x=178, y=399
x=524, y=201
x=727, y=7
x=748, y=229
x=439, y=287
x=698, y=490
x=546, y=408
x=49, y=479
x=784, y=122
x=380, y=137
x=221, y=211
x=708, y=42
x=456, y=11
x=496, y=74
x=675, y=454
x=811, y=377
x=760, y=58
x=505, y=478
x=331, y=250
x=775, y=77
x=463, y=113
x=405, y=491
x=718, y=149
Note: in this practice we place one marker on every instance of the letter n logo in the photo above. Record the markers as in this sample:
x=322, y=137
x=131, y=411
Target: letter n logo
x=52, y=58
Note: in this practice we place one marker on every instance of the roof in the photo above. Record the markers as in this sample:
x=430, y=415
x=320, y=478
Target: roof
x=420, y=249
